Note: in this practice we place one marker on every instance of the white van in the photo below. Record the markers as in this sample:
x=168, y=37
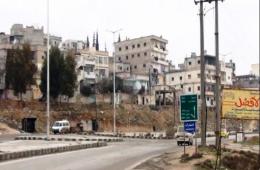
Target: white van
x=62, y=126
x=183, y=137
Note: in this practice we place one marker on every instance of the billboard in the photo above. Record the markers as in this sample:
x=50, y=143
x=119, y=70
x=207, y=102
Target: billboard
x=240, y=104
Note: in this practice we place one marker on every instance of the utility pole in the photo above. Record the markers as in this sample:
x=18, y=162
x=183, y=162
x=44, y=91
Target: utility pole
x=218, y=81
x=114, y=82
x=202, y=75
x=48, y=75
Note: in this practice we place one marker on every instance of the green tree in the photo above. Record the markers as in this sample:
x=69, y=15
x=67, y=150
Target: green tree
x=57, y=65
x=20, y=70
x=69, y=76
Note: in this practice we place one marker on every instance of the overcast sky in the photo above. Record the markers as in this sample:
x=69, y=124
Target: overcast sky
x=176, y=20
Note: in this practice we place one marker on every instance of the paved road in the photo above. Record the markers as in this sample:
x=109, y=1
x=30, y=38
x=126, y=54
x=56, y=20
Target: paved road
x=4, y=138
x=116, y=156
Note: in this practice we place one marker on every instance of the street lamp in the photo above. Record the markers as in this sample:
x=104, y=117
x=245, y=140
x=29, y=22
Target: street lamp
x=48, y=75
x=114, y=80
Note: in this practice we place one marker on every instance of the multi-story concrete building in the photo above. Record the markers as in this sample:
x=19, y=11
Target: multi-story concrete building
x=187, y=77
x=248, y=81
x=144, y=55
x=101, y=61
x=255, y=70
x=38, y=42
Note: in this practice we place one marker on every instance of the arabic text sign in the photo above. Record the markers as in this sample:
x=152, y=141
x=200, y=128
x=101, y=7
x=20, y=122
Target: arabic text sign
x=240, y=104
x=189, y=107
x=190, y=127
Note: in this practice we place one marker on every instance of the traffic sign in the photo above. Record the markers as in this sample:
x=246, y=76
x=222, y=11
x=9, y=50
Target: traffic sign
x=190, y=127
x=189, y=107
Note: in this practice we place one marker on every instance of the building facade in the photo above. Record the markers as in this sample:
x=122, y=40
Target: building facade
x=187, y=77
x=255, y=70
x=37, y=39
x=144, y=55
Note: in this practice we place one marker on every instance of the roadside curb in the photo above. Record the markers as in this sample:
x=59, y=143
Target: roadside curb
x=45, y=151
x=137, y=137
x=69, y=139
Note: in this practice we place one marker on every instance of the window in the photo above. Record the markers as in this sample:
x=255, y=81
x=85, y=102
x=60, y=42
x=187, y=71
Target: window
x=42, y=57
x=144, y=65
x=126, y=47
x=145, y=53
x=119, y=48
x=144, y=44
x=172, y=78
x=133, y=46
x=138, y=45
x=198, y=96
x=126, y=57
x=127, y=68
x=189, y=76
x=156, y=58
x=133, y=55
x=181, y=86
x=198, y=75
x=198, y=61
x=180, y=77
x=207, y=98
x=189, y=63
x=119, y=58
x=120, y=67
x=138, y=54
x=189, y=89
x=135, y=67
x=198, y=88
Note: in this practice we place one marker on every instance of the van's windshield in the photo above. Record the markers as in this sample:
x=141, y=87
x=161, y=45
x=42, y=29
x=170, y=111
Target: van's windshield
x=180, y=129
x=57, y=124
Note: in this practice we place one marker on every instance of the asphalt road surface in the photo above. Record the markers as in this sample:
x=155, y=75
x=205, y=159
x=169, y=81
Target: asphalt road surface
x=115, y=156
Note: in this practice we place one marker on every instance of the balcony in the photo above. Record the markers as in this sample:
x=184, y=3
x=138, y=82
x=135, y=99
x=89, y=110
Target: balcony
x=86, y=75
x=160, y=50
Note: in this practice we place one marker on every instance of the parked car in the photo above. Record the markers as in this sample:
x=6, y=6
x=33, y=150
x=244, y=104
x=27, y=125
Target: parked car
x=62, y=126
x=183, y=137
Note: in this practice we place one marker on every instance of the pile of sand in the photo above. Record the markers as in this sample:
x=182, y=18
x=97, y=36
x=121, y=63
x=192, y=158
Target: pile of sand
x=5, y=129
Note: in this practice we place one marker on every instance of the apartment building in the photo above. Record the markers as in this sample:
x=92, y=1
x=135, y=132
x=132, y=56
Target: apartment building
x=101, y=61
x=255, y=70
x=187, y=77
x=38, y=42
x=144, y=55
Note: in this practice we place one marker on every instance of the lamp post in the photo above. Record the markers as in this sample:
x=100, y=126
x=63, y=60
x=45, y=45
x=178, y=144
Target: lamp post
x=114, y=80
x=48, y=75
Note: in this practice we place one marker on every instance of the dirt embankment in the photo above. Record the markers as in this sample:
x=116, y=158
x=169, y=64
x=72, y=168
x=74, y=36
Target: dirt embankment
x=128, y=117
x=5, y=129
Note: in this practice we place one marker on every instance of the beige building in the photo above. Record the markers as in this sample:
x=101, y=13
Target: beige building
x=144, y=55
x=255, y=69
x=101, y=61
x=38, y=42
x=187, y=77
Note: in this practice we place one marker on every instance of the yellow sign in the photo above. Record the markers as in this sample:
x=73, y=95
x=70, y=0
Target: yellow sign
x=240, y=104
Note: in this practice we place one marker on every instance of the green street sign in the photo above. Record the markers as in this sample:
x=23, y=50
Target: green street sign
x=189, y=107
